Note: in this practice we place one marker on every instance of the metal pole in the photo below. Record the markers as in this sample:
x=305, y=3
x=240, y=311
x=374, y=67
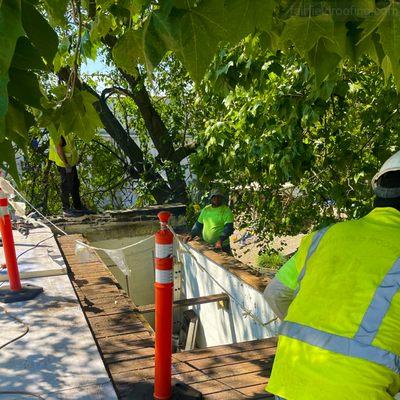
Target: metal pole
x=164, y=284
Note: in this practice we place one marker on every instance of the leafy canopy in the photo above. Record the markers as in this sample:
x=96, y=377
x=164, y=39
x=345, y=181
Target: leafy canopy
x=44, y=39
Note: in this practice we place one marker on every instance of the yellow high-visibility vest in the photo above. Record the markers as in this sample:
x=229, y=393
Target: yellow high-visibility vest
x=70, y=151
x=341, y=337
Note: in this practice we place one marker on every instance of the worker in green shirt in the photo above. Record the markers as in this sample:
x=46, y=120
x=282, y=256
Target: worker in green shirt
x=215, y=223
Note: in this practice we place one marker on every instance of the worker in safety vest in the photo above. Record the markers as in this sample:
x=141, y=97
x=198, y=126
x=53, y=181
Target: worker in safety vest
x=215, y=223
x=340, y=339
x=65, y=155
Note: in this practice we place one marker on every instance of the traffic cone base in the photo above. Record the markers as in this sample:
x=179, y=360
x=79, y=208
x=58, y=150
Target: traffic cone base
x=28, y=292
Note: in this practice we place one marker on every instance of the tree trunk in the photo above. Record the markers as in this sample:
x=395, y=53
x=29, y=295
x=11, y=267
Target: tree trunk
x=140, y=169
x=159, y=134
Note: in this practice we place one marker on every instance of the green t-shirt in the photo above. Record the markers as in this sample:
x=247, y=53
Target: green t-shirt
x=214, y=220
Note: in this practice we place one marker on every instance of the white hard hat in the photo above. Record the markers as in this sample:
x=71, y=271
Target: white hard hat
x=392, y=164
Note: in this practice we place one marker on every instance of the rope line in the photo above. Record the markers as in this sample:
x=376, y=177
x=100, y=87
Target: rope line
x=35, y=246
x=119, y=249
x=22, y=393
x=32, y=206
x=25, y=325
x=56, y=227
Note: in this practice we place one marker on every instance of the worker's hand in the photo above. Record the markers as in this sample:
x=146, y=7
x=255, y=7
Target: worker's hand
x=188, y=238
x=218, y=245
x=68, y=169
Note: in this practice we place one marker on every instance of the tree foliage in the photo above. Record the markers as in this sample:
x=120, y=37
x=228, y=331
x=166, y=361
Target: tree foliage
x=293, y=154
x=326, y=33
x=296, y=93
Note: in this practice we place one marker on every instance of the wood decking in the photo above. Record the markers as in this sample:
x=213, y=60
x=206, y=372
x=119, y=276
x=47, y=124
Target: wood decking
x=125, y=341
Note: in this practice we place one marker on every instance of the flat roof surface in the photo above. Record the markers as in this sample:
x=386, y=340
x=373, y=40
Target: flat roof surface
x=58, y=357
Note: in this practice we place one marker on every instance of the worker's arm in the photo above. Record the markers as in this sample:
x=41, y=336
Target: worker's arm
x=60, y=152
x=282, y=289
x=280, y=292
x=228, y=229
x=197, y=229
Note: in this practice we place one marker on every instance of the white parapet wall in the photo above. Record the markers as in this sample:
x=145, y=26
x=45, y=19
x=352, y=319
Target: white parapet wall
x=203, y=275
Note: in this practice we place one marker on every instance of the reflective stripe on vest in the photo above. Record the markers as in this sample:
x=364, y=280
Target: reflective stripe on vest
x=379, y=305
x=341, y=345
x=314, y=244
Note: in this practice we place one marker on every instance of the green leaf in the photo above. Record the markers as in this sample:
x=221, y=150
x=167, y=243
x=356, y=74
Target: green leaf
x=305, y=32
x=7, y=158
x=322, y=60
x=344, y=9
x=24, y=86
x=57, y=10
x=373, y=21
x=128, y=51
x=389, y=32
x=197, y=32
x=27, y=56
x=371, y=47
x=153, y=44
x=343, y=43
x=41, y=34
x=137, y=5
x=10, y=30
x=78, y=116
x=88, y=48
x=386, y=68
x=101, y=26
x=243, y=17
x=15, y=121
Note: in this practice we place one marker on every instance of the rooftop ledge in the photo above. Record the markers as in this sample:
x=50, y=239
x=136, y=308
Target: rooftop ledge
x=242, y=271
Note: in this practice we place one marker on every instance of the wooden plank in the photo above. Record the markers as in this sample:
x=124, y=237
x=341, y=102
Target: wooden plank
x=209, y=387
x=96, y=280
x=247, y=380
x=234, y=358
x=226, y=349
x=131, y=365
x=138, y=344
x=257, y=391
x=223, y=371
x=96, y=311
x=104, y=332
x=148, y=373
x=189, y=302
x=116, y=319
x=123, y=341
x=121, y=299
x=226, y=395
x=131, y=354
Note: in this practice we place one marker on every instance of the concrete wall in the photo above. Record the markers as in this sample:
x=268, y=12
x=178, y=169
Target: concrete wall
x=218, y=326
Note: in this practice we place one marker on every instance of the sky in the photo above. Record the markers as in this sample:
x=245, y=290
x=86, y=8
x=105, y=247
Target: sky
x=91, y=67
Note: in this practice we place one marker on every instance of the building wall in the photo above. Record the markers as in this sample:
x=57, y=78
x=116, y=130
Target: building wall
x=218, y=326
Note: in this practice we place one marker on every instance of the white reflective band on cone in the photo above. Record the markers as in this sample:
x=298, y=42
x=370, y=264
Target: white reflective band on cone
x=3, y=211
x=164, y=276
x=164, y=250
